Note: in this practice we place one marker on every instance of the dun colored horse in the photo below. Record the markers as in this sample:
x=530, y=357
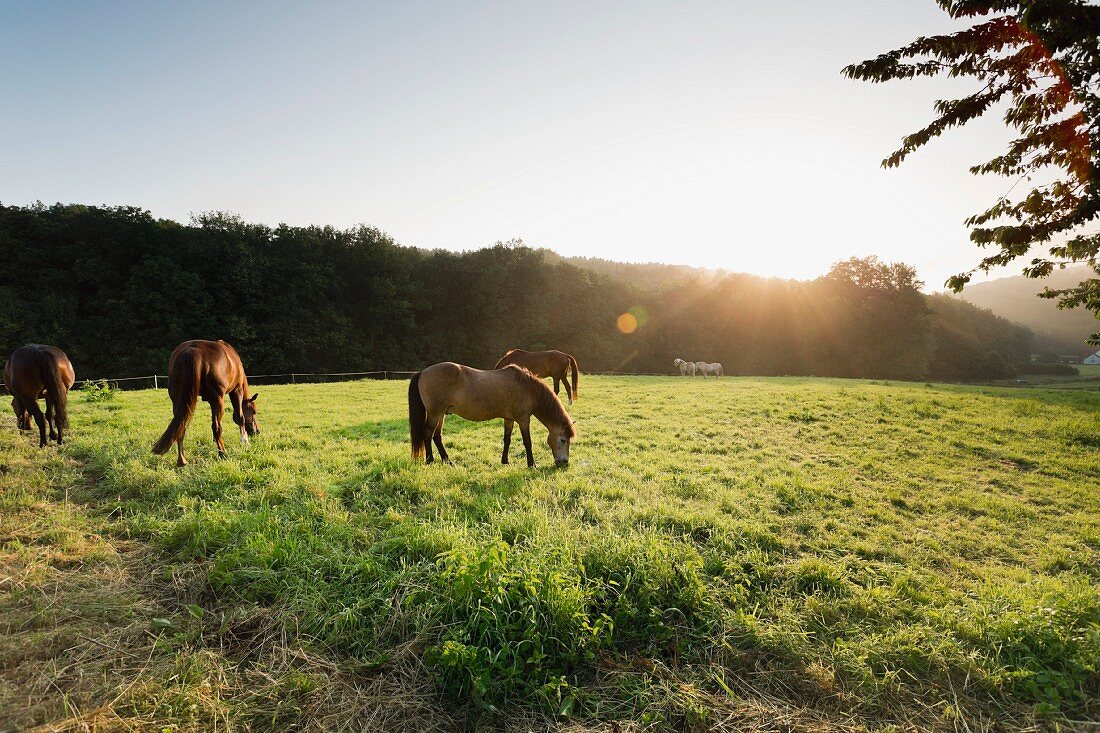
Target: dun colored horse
x=211, y=370
x=512, y=393
x=544, y=364
x=36, y=371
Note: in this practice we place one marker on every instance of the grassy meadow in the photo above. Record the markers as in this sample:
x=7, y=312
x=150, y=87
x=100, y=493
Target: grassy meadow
x=782, y=554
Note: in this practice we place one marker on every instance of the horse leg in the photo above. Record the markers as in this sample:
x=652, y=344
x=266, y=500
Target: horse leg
x=238, y=414
x=508, y=424
x=180, y=460
x=19, y=410
x=36, y=412
x=57, y=422
x=525, y=431
x=568, y=392
x=217, y=409
x=438, y=438
x=51, y=421
x=431, y=424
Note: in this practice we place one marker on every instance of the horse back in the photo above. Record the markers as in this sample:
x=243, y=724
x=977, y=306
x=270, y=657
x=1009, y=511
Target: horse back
x=24, y=371
x=552, y=363
x=64, y=367
x=216, y=365
x=475, y=394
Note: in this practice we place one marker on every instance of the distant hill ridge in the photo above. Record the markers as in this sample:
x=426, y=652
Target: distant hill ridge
x=1016, y=298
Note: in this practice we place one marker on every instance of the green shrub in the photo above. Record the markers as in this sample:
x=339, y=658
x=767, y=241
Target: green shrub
x=99, y=391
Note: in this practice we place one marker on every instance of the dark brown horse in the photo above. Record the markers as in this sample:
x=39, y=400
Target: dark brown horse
x=512, y=393
x=35, y=371
x=544, y=364
x=211, y=370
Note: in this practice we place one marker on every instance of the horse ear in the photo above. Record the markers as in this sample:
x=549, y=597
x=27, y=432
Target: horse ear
x=253, y=397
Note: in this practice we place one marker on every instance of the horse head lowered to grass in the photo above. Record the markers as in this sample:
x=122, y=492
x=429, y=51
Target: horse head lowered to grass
x=512, y=393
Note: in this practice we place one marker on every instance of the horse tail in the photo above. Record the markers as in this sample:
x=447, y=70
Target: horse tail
x=505, y=360
x=573, y=367
x=186, y=370
x=418, y=417
x=56, y=391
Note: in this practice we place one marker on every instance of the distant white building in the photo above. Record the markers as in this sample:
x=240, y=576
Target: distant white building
x=1092, y=358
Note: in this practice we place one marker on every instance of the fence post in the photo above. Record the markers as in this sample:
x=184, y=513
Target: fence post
x=293, y=380
x=155, y=385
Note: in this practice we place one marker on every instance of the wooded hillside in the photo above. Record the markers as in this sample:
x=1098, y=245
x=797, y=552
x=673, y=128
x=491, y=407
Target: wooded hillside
x=118, y=289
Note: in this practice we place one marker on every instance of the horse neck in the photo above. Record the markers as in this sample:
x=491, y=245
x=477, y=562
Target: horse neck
x=508, y=358
x=549, y=411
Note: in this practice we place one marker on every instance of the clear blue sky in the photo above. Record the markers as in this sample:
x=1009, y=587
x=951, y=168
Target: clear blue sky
x=709, y=133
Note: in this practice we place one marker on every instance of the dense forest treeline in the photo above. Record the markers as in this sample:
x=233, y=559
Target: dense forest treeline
x=647, y=275
x=118, y=289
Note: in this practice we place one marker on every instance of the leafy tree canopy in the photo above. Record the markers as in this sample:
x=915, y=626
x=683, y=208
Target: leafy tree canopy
x=1041, y=59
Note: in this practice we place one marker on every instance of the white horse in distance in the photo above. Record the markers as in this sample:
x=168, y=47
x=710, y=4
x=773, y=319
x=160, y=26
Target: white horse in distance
x=687, y=368
x=705, y=368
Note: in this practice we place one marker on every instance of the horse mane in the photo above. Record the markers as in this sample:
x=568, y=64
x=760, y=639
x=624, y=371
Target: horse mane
x=548, y=408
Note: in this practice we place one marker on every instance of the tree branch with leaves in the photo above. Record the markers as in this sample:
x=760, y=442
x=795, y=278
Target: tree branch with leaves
x=1041, y=58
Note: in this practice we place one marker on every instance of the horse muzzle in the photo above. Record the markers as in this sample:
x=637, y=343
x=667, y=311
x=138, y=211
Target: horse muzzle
x=561, y=462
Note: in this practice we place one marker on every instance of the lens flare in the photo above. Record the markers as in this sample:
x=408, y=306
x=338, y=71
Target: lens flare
x=627, y=323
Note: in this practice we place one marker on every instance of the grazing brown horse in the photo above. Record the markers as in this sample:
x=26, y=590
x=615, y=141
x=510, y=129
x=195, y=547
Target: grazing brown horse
x=36, y=371
x=211, y=370
x=544, y=364
x=512, y=393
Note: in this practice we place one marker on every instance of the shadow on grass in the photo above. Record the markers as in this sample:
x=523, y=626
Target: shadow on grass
x=398, y=430
x=472, y=486
x=1082, y=400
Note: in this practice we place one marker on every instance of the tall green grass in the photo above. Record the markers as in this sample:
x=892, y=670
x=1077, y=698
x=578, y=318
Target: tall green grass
x=893, y=552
